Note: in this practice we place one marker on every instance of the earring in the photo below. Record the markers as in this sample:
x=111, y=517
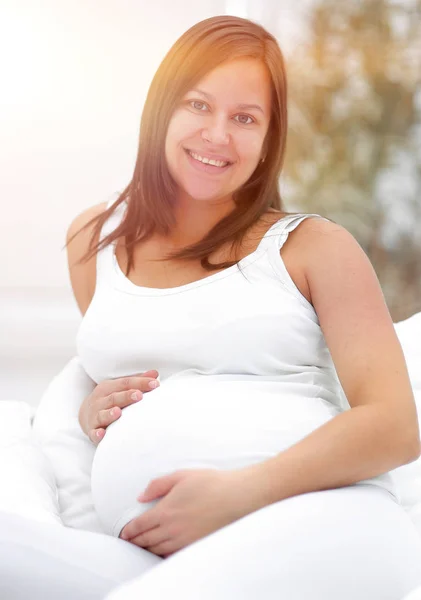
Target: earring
x=262, y=160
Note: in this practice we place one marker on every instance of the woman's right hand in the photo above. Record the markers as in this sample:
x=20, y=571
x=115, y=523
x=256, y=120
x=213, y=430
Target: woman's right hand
x=104, y=405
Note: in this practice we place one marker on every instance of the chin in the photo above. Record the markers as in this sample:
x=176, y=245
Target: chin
x=200, y=194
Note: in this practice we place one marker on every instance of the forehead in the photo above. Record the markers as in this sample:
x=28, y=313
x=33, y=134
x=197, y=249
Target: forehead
x=240, y=81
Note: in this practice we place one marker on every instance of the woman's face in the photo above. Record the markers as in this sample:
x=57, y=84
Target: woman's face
x=224, y=118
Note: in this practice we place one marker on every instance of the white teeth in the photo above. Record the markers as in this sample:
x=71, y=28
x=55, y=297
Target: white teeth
x=206, y=161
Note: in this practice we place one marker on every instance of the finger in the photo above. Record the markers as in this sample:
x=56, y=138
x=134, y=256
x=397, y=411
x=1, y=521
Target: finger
x=120, y=399
x=96, y=435
x=113, y=406
x=160, y=486
x=139, y=383
x=111, y=386
x=149, y=520
x=153, y=537
x=164, y=549
x=106, y=416
x=152, y=373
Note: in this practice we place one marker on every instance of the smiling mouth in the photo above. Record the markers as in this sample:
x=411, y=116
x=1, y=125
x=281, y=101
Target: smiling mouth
x=215, y=164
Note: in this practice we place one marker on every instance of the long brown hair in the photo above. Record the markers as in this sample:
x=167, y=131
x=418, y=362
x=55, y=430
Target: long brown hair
x=151, y=194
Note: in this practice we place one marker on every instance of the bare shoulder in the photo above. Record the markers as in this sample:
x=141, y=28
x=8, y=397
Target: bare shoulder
x=340, y=276
x=314, y=230
x=322, y=242
x=82, y=274
x=83, y=218
x=298, y=249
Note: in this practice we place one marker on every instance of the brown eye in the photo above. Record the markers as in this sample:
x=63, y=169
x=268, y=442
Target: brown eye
x=245, y=122
x=197, y=105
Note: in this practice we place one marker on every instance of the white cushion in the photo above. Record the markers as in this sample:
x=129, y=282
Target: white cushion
x=407, y=478
x=69, y=450
x=28, y=486
x=414, y=595
x=409, y=334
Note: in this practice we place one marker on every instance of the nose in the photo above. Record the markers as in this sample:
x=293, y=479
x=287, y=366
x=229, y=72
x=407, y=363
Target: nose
x=216, y=131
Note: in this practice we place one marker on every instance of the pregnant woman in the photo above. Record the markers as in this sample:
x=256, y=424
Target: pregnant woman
x=259, y=467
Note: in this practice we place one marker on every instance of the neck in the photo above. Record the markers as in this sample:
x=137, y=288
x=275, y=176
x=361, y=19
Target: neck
x=194, y=219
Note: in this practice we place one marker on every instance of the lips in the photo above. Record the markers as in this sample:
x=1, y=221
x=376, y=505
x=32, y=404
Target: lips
x=210, y=156
x=206, y=168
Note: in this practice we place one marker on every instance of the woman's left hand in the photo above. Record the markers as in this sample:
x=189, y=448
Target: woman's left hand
x=194, y=504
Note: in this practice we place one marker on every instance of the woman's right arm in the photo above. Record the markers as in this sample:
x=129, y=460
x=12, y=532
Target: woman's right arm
x=83, y=275
x=104, y=405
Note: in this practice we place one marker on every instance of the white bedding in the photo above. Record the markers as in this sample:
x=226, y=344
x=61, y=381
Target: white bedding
x=28, y=484
x=54, y=457
x=45, y=465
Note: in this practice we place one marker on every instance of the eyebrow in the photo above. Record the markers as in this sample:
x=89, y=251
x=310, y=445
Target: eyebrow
x=241, y=106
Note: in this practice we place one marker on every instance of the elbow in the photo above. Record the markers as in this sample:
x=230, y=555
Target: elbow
x=413, y=451
x=416, y=450
x=411, y=441
x=416, y=445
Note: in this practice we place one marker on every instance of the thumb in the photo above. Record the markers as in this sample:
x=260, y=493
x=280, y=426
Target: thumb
x=159, y=487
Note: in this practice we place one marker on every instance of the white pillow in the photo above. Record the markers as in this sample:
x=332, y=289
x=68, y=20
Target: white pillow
x=407, y=478
x=28, y=486
x=68, y=449
x=409, y=334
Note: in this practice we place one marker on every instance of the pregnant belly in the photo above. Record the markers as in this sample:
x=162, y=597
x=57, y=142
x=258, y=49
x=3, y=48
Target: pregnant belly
x=181, y=425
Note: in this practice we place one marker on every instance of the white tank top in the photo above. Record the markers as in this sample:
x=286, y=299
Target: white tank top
x=244, y=368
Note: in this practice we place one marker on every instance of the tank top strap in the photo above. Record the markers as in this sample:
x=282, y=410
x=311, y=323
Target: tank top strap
x=272, y=243
x=276, y=236
x=105, y=260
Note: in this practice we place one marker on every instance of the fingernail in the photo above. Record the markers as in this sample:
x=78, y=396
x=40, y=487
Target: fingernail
x=136, y=396
x=153, y=384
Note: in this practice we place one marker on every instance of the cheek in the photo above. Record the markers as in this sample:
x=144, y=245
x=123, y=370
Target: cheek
x=171, y=139
x=253, y=147
x=249, y=145
x=180, y=129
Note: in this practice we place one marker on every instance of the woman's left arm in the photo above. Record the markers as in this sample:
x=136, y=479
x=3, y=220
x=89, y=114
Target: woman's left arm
x=381, y=430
